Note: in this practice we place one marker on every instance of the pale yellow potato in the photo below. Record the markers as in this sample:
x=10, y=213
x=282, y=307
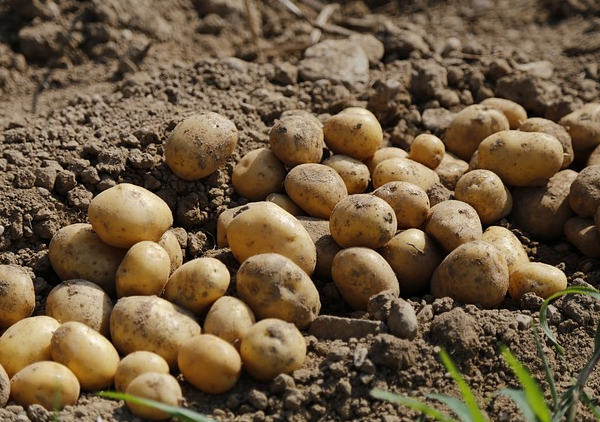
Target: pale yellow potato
x=404, y=170
x=286, y=203
x=583, y=234
x=76, y=252
x=584, y=127
x=363, y=220
x=197, y=284
x=210, y=364
x=138, y=363
x=410, y=203
x=325, y=244
x=451, y=169
x=538, y=124
x=225, y=219
x=258, y=174
x=428, y=150
x=265, y=227
x=357, y=135
x=17, y=295
x=359, y=273
x=484, y=191
x=414, y=256
x=153, y=324
x=127, y=214
x=297, y=140
x=87, y=353
x=383, y=154
x=199, y=145
x=46, y=383
x=452, y=223
x=355, y=173
x=144, y=270
x=473, y=273
x=521, y=158
x=26, y=342
x=275, y=287
x=584, y=193
x=4, y=387
x=170, y=243
x=507, y=244
x=82, y=301
x=230, y=319
x=272, y=347
x=316, y=188
x=358, y=110
x=514, y=112
x=536, y=277
x=154, y=386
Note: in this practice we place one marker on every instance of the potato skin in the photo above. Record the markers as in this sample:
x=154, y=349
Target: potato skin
x=17, y=295
x=514, y=112
x=409, y=202
x=484, y=191
x=507, y=244
x=258, y=174
x=154, y=386
x=325, y=244
x=383, y=154
x=138, y=363
x=357, y=135
x=170, y=243
x=583, y=126
x=538, y=124
x=583, y=234
x=297, y=140
x=285, y=202
x=144, y=270
x=452, y=223
x=405, y=170
x=230, y=319
x=542, y=279
x=428, y=150
x=4, y=387
x=451, y=169
x=584, y=193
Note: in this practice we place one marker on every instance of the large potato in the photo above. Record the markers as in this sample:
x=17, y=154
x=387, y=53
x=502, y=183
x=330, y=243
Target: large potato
x=230, y=319
x=144, y=270
x=404, y=170
x=354, y=173
x=514, y=112
x=383, y=154
x=584, y=127
x=584, y=193
x=325, y=244
x=428, y=150
x=536, y=277
x=154, y=386
x=584, y=235
x=258, y=174
x=136, y=364
x=17, y=295
x=297, y=140
x=357, y=135
x=538, y=124
x=410, y=203
x=452, y=223
x=507, y=244
x=484, y=191
x=200, y=144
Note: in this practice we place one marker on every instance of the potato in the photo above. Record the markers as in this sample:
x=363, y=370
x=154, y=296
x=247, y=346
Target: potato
x=484, y=191
x=475, y=272
x=82, y=301
x=584, y=193
x=363, y=220
x=584, y=127
x=428, y=150
x=154, y=386
x=538, y=124
x=297, y=140
x=87, y=353
x=357, y=135
x=4, y=387
x=472, y=125
x=404, y=170
x=17, y=295
x=275, y=287
x=325, y=244
x=144, y=270
x=46, y=383
x=521, y=158
x=225, y=219
x=536, y=277
x=258, y=174
x=153, y=324
x=359, y=273
x=358, y=110
x=127, y=214
x=26, y=342
x=409, y=202
x=452, y=223
x=199, y=145
x=414, y=256
x=210, y=363
x=451, y=169
x=507, y=244
x=286, y=203
x=170, y=243
x=76, y=252
x=316, y=188
x=230, y=319
x=383, y=154
x=272, y=347
x=265, y=227
x=354, y=173
x=197, y=284
x=138, y=363
x=584, y=235
x=514, y=112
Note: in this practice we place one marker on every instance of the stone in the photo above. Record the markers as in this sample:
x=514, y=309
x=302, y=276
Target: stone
x=332, y=327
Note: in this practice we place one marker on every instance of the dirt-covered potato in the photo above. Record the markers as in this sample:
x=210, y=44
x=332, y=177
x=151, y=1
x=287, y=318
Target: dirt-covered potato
x=17, y=295
x=383, y=154
x=275, y=287
x=153, y=324
x=325, y=244
x=536, y=277
x=265, y=227
x=410, y=203
x=583, y=234
x=452, y=223
x=170, y=243
x=514, y=112
x=4, y=387
x=82, y=301
x=472, y=125
x=507, y=244
x=584, y=194
x=272, y=347
x=538, y=124
x=199, y=145
x=138, y=363
x=154, y=386
x=474, y=272
x=210, y=363
x=87, y=353
x=258, y=174
x=584, y=127
x=230, y=319
x=355, y=173
x=413, y=256
x=297, y=140
x=484, y=191
x=46, y=383
x=144, y=270
x=404, y=170
x=428, y=150
x=451, y=169
x=197, y=284
x=286, y=203
x=26, y=342
x=363, y=220
x=127, y=214
x=357, y=135
x=316, y=188
x=359, y=273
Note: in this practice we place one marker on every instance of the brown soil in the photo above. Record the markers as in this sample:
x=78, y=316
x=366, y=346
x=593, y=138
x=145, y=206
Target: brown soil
x=89, y=91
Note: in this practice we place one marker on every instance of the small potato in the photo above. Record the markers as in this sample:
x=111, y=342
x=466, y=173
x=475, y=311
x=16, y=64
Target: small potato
x=383, y=154
x=4, y=387
x=297, y=140
x=230, y=319
x=272, y=347
x=17, y=295
x=363, y=220
x=87, y=353
x=474, y=272
x=538, y=124
x=584, y=193
x=451, y=169
x=536, y=277
x=210, y=363
x=286, y=203
x=584, y=127
x=325, y=244
x=197, y=284
x=26, y=342
x=428, y=150
x=514, y=112
x=507, y=244
x=138, y=363
x=199, y=145
x=154, y=386
x=452, y=223
x=170, y=243
x=584, y=235
x=258, y=174
x=144, y=270
x=484, y=191
x=127, y=214
x=46, y=383
x=404, y=170
x=355, y=173
x=410, y=203
x=359, y=273
x=316, y=188
x=353, y=134
x=275, y=287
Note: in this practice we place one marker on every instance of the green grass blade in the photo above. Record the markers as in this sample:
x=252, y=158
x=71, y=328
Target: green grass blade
x=458, y=407
x=520, y=398
x=588, y=402
x=412, y=403
x=547, y=371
